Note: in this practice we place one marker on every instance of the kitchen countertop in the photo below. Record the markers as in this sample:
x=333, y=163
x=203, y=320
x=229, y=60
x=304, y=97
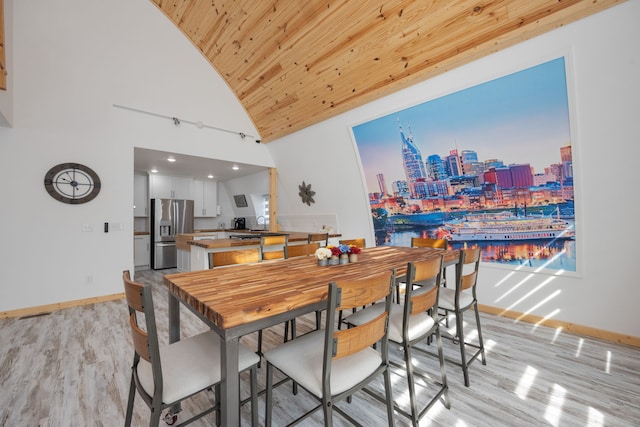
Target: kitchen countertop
x=229, y=243
x=294, y=237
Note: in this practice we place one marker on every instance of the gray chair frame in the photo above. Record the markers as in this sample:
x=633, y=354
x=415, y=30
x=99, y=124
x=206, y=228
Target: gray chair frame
x=465, y=282
x=321, y=238
x=140, y=301
x=421, y=300
x=360, y=242
x=281, y=241
x=344, y=295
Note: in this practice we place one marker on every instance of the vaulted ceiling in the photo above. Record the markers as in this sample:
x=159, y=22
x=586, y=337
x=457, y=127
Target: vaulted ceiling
x=294, y=63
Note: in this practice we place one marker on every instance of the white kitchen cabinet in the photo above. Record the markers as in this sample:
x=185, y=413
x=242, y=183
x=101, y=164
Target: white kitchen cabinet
x=205, y=198
x=140, y=195
x=141, y=252
x=169, y=187
x=183, y=260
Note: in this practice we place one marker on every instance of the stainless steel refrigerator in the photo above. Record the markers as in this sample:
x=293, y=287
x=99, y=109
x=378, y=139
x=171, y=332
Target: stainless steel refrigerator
x=169, y=217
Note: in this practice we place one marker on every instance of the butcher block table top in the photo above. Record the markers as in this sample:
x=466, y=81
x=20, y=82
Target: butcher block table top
x=240, y=299
x=238, y=295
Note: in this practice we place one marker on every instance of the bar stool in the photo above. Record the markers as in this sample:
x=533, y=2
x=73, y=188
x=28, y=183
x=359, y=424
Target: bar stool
x=461, y=299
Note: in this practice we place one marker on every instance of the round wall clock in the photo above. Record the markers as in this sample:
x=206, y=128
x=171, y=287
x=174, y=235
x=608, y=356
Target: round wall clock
x=72, y=183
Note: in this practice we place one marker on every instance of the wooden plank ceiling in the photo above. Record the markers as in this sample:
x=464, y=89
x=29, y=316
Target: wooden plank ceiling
x=294, y=63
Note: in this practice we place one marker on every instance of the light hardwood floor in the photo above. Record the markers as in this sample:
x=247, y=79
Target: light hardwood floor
x=72, y=367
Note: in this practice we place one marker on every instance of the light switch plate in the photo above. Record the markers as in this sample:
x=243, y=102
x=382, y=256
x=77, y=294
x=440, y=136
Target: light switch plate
x=116, y=226
x=87, y=228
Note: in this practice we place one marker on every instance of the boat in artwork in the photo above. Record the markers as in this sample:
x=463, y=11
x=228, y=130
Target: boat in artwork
x=505, y=225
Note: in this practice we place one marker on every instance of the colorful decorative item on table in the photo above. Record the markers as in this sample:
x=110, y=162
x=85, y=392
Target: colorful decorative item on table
x=353, y=253
x=341, y=254
x=323, y=255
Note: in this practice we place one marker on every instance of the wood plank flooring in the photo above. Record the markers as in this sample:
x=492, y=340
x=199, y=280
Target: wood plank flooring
x=72, y=367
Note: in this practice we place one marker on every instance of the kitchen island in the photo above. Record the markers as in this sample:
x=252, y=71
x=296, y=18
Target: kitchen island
x=194, y=248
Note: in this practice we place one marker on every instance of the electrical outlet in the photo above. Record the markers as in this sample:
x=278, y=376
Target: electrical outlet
x=89, y=279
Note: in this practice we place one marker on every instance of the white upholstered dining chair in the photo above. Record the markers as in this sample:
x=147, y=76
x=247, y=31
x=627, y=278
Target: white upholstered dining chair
x=166, y=375
x=460, y=299
x=333, y=364
x=410, y=323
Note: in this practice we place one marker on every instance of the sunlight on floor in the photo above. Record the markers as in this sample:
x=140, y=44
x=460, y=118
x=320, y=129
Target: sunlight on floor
x=526, y=380
x=489, y=345
x=579, y=349
x=557, y=334
x=530, y=381
x=596, y=418
x=554, y=407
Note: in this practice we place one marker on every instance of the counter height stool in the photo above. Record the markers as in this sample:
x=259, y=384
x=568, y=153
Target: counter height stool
x=274, y=247
x=166, y=375
x=414, y=321
x=304, y=249
x=295, y=251
x=321, y=238
x=461, y=299
x=427, y=242
x=240, y=256
x=359, y=242
x=332, y=364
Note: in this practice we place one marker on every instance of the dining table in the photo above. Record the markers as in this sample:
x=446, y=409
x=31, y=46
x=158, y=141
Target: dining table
x=241, y=299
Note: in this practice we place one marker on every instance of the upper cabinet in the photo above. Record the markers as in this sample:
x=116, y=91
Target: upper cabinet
x=169, y=187
x=205, y=198
x=203, y=193
x=140, y=195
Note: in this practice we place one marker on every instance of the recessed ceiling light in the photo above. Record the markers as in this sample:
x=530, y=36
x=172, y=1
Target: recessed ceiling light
x=171, y=159
x=154, y=171
x=235, y=167
x=210, y=176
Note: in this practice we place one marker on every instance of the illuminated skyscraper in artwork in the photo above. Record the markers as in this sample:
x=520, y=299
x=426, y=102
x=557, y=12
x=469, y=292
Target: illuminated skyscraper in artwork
x=413, y=165
x=436, y=168
x=382, y=185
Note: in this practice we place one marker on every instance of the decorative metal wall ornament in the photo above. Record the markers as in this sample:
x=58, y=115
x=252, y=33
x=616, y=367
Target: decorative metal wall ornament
x=306, y=194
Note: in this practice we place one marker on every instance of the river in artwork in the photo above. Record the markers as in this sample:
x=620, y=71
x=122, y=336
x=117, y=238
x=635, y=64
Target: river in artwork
x=558, y=253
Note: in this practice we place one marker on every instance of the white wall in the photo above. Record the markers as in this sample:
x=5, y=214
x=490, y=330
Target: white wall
x=604, y=65
x=72, y=60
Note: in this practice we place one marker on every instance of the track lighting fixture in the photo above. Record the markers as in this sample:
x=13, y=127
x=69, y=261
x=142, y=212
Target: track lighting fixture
x=199, y=124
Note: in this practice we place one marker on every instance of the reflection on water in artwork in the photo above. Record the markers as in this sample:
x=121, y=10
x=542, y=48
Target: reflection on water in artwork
x=553, y=254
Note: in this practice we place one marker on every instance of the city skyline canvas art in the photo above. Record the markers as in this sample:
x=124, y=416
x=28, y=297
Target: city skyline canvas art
x=490, y=166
